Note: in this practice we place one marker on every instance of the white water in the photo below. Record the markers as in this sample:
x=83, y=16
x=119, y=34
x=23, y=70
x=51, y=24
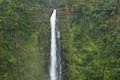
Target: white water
x=53, y=58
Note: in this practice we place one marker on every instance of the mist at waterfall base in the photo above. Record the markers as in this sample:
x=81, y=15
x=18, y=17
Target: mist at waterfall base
x=55, y=59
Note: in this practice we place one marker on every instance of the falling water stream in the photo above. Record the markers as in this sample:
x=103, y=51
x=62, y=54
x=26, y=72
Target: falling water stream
x=55, y=60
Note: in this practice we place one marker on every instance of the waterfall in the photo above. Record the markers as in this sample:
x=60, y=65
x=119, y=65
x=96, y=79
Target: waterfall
x=55, y=59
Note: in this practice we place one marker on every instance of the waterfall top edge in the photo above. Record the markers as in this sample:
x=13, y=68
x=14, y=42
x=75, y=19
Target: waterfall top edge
x=53, y=16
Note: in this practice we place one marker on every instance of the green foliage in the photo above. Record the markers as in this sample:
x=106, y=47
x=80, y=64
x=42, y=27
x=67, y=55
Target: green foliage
x=91, y=48
x=18, y=24
x=90, y=39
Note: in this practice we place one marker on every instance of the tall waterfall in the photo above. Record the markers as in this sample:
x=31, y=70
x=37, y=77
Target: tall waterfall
x=55, y=60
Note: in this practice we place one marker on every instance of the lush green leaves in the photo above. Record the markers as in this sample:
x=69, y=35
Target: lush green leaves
x=91, y=46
